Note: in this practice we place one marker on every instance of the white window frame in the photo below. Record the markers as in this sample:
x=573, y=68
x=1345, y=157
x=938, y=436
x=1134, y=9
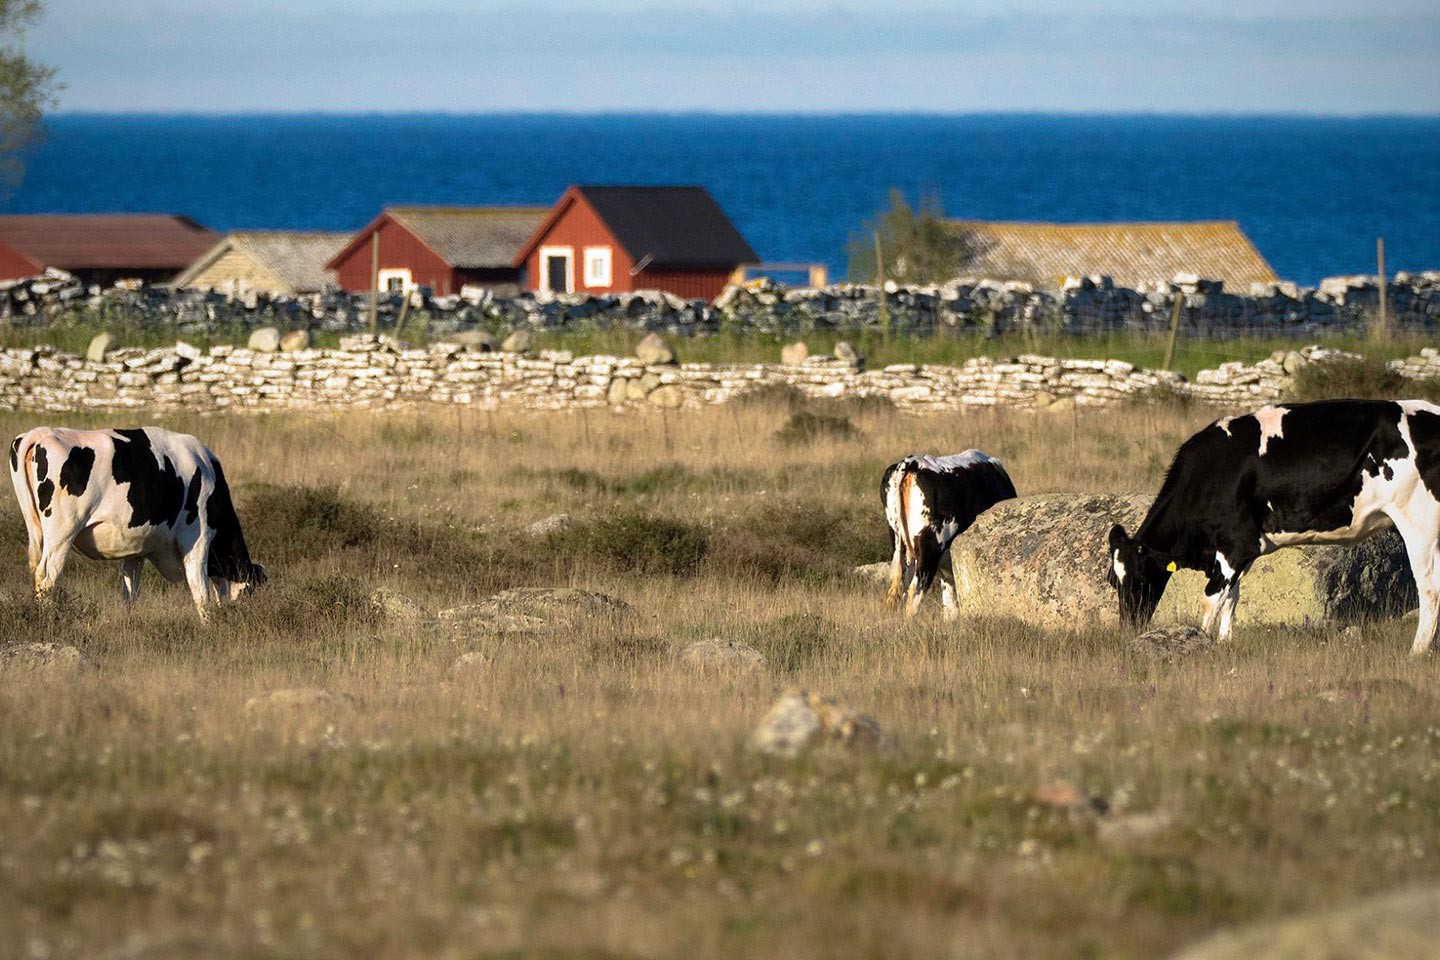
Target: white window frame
x=569, y=254
x=597, y=279
x=403, y=274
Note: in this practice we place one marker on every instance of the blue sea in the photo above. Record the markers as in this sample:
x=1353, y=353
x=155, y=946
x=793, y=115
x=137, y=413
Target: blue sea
x=1313, y=193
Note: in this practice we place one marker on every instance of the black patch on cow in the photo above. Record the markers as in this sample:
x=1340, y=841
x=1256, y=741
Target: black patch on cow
x=156, y=494
x=192, y=497
x=42, y=463
x=75, y=472
x=1221, y=494
x=43, y=494
x=229, y=557
x=1425, y=434
x=15, y=453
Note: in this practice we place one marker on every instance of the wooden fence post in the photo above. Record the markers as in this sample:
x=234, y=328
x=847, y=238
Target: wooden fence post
x=374, y=281
x=1381, y=328
x=1177, y=303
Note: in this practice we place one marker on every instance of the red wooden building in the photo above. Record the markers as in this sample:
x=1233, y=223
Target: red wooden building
x=442, y=248
x=616, y=239
x=101, y=248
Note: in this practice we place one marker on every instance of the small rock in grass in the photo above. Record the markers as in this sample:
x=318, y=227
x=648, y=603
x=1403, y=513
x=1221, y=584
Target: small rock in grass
x=43, y=659
x=1172, y=643
x=395, y=606
x=800, y=720
x=873, y=572
x=721, y=654
x=553, y=524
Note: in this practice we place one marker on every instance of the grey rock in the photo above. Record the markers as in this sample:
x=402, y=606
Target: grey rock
x=652, y=349
x=519, y=341
x=878, y=573
x=722, y=654
x=295, y=340
x=53, y=660
x=1400, y=925
x=1171, y=643
x=264, y=340
x=479, y=341
x=1293, y=361
x=395, y=606
x=99, y=346
x=617, y=392
x=529, y=609
x=553, y=524
x=188, y=351
x=794, y=354
x=668, y=397
x=800, y=720
x=844, y=351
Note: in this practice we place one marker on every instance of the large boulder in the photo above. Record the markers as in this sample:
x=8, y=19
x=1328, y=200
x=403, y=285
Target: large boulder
x=523, y=610
x=1403, y=925
x=1045, y=558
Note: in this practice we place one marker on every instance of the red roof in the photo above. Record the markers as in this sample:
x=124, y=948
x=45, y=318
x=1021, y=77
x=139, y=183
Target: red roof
x=109, y=241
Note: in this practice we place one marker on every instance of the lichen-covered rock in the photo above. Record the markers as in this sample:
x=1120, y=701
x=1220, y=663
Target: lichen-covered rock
x=43, y=659
x=395, y=606
x=1171, y=643
x=800, y=720
x=549, y=526
x=652, y=349
x=529, y=609
x=1401, y=925
x=1044, y=559
x=722, y=654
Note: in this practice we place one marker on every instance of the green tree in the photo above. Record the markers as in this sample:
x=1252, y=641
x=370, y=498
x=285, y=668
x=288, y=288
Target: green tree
x=916, y=245
x=27, y=89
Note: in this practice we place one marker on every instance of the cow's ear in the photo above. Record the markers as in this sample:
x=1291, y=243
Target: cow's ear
x=1118, y=537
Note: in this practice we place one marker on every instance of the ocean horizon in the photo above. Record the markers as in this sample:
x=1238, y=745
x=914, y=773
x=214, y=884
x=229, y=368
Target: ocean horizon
x=1312, y=191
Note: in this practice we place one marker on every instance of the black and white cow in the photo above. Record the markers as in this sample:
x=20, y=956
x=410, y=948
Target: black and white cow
x=1331, y=472
x=132, y=496
x=929, y=501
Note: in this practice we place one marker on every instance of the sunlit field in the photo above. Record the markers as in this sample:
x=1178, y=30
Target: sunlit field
x=573, y=790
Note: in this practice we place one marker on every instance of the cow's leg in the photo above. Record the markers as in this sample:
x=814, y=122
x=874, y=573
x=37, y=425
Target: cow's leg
x=197, y=571
x=927, y=562
x=130, y=579
x=1229, y=600
x=897, y=572
x=1418, y=528
x=52, y=561
x=949, y=602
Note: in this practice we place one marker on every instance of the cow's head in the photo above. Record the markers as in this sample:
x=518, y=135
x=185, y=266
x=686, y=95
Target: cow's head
x=252, y=577
x=1138, y=575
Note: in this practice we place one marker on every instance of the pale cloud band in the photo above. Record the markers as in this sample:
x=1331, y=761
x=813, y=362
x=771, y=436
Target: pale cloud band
x=167, y=56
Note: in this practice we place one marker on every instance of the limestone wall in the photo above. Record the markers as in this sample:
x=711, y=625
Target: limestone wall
x=374, y=372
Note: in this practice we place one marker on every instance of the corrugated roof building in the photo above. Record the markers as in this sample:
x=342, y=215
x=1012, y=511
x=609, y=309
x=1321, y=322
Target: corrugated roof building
x=442, y=248
x=265, y=261
x=101, y=248
x=1131, y=254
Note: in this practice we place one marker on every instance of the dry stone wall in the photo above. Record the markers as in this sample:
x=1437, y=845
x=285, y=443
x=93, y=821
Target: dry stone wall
x=375, y=372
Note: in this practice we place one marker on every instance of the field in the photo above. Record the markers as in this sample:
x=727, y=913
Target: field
x=576, y=792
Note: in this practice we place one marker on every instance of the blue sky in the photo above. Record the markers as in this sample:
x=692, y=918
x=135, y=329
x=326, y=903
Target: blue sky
x=745, y=55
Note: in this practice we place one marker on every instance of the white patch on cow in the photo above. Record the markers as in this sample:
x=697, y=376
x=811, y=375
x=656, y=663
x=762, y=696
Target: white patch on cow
x=1226, y=571
x=917, y=514
x=1119, y=568
x=1224, y=424
x=1271, y=420
x=952, y=463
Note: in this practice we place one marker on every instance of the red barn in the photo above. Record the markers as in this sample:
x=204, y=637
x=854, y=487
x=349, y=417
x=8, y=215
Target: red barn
x=616, y=239
x=442, y=248
x=101, y=248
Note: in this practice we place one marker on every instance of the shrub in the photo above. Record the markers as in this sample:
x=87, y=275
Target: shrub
x=1361, y=379
x=794, y=641
x=805, y=427
x=798, y=540
x=633, y=542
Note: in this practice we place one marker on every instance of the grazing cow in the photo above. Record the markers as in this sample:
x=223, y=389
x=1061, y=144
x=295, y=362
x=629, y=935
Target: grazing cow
x=132, y=496
x=929, y=501
x=1331, y=472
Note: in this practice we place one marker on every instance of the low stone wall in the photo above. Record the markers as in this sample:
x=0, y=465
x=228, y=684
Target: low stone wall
x=1088, y=305
x=374, y=372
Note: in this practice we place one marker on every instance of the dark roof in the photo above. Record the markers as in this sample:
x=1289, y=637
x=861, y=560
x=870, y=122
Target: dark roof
x=467, y=238
x=1129, y=253
x=110, y=241
x=673, y=226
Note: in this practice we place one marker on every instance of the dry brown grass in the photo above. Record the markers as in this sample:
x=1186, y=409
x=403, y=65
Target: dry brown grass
x=582, y=795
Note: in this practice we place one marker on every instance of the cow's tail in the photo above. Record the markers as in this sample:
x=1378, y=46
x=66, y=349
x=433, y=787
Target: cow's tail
x=22, y=477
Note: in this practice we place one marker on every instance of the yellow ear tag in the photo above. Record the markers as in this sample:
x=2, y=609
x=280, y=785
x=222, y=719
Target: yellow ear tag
x=1172, y=568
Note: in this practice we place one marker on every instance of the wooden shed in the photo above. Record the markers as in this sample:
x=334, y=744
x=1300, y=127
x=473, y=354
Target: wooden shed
x=442, y=248
x=1131, y=254
x=101, y=248
x=611, y=239
x=265, y=261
